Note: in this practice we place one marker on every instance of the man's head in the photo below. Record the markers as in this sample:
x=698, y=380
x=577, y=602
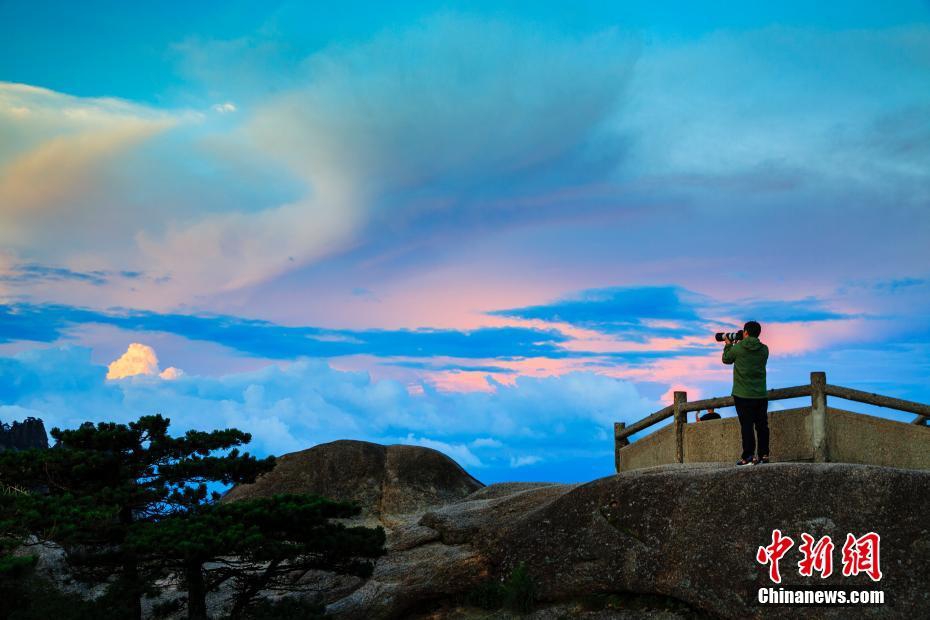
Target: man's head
x=752, y=328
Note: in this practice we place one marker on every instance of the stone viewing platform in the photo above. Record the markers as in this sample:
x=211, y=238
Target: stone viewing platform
x=817, y=433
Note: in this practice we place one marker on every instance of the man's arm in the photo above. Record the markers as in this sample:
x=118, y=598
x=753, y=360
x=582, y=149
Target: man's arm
x=729, y=353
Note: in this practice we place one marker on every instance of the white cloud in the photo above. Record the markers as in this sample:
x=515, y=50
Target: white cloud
x=58, y=154
x=93, y=183
x=140, y=359
x=454, y=100
x=458, y=452
x=48, y=175
x=229, y=250
x=486, y=442
x=780, y=100
x=523, y=461
x=73, y=186
x=449, y=103
x=171, y=373
x=224, y=108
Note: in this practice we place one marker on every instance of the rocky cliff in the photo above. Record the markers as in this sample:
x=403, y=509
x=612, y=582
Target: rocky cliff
x=383, y=480
x=684, y=537
x=30, y=433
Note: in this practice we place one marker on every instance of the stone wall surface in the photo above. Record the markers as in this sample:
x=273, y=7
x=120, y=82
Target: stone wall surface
x=851, y=438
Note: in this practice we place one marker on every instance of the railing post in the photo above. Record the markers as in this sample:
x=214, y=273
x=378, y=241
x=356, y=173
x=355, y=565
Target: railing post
x=619, y=443
x=819, y=417
x=680, y=420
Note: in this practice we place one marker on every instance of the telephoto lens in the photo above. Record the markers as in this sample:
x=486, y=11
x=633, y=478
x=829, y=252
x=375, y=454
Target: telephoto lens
x=734, y=336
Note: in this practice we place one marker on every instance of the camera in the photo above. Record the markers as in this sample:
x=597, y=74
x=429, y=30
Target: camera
x=734, y=336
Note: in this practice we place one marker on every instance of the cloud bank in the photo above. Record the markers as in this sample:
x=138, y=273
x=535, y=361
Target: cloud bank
x=554, y=428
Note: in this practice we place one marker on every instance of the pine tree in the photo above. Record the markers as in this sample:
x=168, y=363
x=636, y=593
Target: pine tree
x=130, y=501
x=259, y=545
x=100, y=481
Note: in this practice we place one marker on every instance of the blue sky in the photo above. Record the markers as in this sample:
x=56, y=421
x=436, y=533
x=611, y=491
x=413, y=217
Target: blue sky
x=493, y=228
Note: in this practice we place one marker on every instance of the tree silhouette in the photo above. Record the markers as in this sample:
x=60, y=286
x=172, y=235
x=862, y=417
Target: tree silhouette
x=131, y=501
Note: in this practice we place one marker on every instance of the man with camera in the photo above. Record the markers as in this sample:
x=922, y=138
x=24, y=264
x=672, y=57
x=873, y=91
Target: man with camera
x=748, y=357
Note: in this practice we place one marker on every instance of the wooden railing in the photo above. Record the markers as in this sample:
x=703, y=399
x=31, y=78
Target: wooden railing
x=818, y=390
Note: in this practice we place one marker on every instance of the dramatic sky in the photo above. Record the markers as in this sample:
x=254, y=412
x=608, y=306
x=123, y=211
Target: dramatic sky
x=491, y=228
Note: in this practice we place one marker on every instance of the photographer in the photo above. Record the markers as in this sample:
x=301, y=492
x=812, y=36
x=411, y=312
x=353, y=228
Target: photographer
x=749, y=357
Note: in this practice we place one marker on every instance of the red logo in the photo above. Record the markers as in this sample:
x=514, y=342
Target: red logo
x=773, y=553
x=860, y=555
x=817, y=557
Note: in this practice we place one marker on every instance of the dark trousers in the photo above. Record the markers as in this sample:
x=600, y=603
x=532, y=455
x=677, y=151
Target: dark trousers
x=753, y=412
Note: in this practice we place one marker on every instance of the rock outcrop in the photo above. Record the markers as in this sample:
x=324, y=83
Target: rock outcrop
x=686, y=534
x=673, y=542
x=692, y=532
x=30, y=433
x=383, y=480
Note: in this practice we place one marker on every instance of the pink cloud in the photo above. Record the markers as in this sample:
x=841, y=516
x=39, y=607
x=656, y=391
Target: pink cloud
x=694, y=392
x=797, y=338
x=460, y=381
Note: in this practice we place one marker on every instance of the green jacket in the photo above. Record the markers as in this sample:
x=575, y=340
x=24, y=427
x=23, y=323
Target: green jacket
x=748, y=357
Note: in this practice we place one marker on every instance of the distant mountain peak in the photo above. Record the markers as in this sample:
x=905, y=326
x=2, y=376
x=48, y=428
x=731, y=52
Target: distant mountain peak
x=30, y=433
